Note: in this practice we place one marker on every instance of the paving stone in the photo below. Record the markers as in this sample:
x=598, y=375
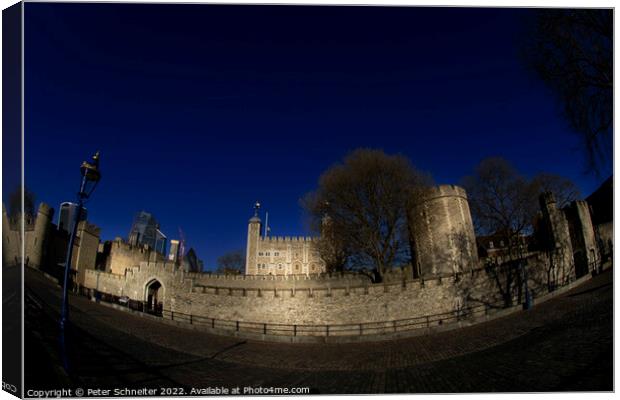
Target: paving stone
x=563, y=344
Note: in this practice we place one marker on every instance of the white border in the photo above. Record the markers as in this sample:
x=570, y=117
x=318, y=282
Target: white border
x=450, y=3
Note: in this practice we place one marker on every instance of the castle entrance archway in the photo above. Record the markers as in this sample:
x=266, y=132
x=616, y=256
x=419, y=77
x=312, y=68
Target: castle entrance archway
x=154, y=297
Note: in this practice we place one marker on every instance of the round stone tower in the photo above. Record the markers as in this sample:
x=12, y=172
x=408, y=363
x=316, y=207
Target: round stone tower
x=442, y=232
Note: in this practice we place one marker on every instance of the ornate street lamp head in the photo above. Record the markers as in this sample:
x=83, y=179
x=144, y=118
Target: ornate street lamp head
x=256, y=208
x=91, y=174
x=91, y=170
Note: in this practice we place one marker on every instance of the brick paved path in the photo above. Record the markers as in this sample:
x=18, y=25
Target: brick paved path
x=563, y=344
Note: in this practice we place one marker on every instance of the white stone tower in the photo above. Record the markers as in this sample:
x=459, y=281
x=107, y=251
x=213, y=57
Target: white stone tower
x=254, y=228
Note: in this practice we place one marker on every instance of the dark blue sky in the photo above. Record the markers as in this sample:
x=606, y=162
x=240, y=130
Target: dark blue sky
x=199, y=110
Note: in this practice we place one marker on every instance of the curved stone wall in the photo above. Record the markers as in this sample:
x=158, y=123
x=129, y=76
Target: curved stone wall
x=443, y=232
x=331, y=300
x=451, y=279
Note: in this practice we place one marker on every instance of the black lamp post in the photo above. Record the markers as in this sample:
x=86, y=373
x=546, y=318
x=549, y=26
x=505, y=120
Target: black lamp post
x=90, y=177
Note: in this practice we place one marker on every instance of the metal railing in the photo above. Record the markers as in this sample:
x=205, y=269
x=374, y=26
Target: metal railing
x=277, y=329
x=350, y=329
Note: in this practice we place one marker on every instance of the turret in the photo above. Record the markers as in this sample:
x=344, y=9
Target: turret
x=583, y=237
x=34, y=252
x=547, y=202
x=254, y=228
x=559, y=244
x=555, y=221
x=85, y=250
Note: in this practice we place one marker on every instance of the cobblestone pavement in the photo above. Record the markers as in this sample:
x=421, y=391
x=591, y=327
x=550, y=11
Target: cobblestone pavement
x=11, y=325
x=563, y=344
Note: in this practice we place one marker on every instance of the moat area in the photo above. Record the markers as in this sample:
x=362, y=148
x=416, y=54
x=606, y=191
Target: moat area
x=563, y=344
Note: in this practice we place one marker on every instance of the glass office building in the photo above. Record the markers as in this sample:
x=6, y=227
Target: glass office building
x=66, y=215
x=145, y=230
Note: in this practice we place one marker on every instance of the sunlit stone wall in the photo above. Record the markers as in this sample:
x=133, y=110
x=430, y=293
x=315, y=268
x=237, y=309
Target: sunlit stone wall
x=348, y=299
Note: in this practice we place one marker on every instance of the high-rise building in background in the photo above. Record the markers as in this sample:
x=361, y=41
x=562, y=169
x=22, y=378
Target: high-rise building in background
x=145, y=230
x=191, y=262
x=66, y=215
x=160, y=241
x=173, y=253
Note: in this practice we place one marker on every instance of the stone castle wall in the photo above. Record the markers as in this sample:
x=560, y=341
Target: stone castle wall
x=45, y=247
x=85, y=249
x=582, y=235
x=605, y=237
x=451, y=275
x=339, y=299
x=11, y=241
x=168, y=273
x=120, y=255
x=134, y=280
x=36, y=236
x=559, y=242
x=452, y=278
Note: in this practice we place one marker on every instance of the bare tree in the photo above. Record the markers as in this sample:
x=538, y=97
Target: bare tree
x=231, y=263
x=501, y=200
x=564, y=190
x=366, y=200
x=331, y=246
x=505, y=204
x=571, y=50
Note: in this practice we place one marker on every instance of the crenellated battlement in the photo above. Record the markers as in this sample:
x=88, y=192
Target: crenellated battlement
x=436, y=192
x=322, y=277
x=288, y=239
x=166, y=266
x=120, y=245
x=121, y=255
x=44, y=211
x=16, y=221
x=547, y=199
x=89, y=228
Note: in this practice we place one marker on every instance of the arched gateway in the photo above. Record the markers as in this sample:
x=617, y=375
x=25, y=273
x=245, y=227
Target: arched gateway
x=153, y=297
